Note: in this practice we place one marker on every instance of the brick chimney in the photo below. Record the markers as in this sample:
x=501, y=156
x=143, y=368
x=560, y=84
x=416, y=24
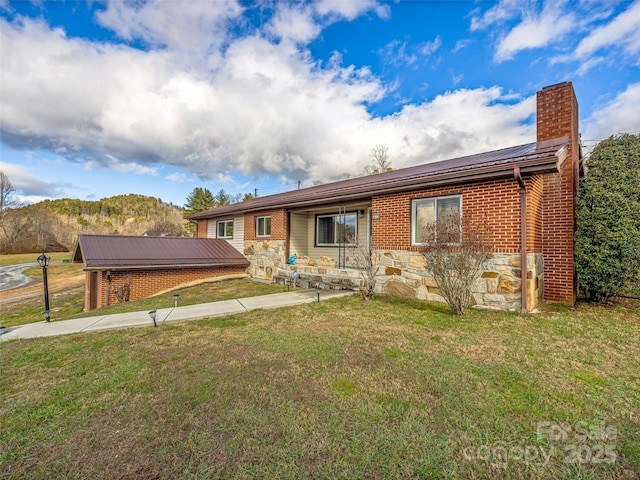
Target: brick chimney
x=557, y=116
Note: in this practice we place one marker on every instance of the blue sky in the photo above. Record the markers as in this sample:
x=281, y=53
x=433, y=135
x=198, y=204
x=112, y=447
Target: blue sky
x=159, y=97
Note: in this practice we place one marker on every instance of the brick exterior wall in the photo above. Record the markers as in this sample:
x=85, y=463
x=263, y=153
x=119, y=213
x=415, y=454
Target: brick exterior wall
x=278, y=225
x=496, y=202
x=558, y=116
x=146, y=283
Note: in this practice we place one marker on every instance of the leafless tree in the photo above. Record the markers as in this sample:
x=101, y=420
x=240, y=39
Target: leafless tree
x=380, y=162
x=7, y=192
x=122, y=291
x=40, y=226
x=455, y=250
x=15, y=232
x=361, y=257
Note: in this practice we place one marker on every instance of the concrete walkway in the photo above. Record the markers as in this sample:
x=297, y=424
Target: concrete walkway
x=190, y=312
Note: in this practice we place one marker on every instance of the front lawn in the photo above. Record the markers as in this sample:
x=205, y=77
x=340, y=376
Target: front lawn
x=69, y=304
x=392, y=388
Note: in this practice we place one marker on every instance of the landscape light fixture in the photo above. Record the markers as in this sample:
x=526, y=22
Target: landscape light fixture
x=318, y=289
x=43, y=261
x=175, y=299
x=287, y=282
x=152, y=314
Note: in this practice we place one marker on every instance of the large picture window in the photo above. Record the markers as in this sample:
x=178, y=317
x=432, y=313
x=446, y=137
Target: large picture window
x=225, y=228
x=263, y=226
x=427, y=213
x=333, y=230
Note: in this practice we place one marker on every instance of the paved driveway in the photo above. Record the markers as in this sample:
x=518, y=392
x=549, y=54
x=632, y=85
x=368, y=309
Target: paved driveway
x=12, y=277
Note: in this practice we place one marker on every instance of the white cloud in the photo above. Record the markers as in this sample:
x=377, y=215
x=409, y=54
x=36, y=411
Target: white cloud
x=501, y=12
x=623, y=30
x=351, y=9
x=295, y=23
x=176, y=178
x=536, y=31
x=397, y=53
x=27, y=185
x=620, y=115
x=428, y=48
x=588, y=65
x=175, y=25
x=112, y=163
x=460, y=44
x=401, y=53
x=267, y=108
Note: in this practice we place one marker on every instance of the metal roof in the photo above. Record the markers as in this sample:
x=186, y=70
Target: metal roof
x=121, y=252
x=541, y=157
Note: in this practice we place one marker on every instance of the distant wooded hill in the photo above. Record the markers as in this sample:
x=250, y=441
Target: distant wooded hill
x=54, y=225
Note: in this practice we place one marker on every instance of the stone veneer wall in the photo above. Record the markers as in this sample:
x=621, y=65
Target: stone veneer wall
x=402, y=273
x=266, y=256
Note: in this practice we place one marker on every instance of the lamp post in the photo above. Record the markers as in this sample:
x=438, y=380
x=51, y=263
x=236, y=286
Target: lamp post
x=152, y=314
x=318, y=290
x=43, y=261
x=175, y=299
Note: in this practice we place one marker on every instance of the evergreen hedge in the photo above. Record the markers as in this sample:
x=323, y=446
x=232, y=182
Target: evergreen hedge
x=607, y=241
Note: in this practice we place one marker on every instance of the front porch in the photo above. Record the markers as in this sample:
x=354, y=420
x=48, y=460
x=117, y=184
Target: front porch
x=324, y=276
x=328, y=236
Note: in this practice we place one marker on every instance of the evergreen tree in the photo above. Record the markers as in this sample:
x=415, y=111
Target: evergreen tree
x=223, y=198
x=198, y=200
x=607, y=242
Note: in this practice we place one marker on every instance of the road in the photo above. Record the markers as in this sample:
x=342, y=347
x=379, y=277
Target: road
x=12, y=277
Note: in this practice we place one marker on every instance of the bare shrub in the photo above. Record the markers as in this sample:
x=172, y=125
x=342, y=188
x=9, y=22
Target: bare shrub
x=122, y=292
x=361, y=258
x=455, y=250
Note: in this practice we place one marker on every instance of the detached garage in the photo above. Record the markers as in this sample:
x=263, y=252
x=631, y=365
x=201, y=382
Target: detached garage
x=124, y=268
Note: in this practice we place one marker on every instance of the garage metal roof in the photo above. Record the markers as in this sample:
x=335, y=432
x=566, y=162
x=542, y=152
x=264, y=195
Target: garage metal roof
x=540, y=157
x=121, y=252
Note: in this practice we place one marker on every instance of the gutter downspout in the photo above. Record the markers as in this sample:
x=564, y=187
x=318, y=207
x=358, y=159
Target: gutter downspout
x=523, y=240
x=108, y=289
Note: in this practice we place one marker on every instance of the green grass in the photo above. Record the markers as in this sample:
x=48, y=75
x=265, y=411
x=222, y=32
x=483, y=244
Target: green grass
x=69, y=304
x=392, y=388
x=6, y=260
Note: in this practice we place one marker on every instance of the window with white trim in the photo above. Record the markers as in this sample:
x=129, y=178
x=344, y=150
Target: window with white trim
x=427, y=212
x=263, y=226
x=333, y=230
x=225, y=228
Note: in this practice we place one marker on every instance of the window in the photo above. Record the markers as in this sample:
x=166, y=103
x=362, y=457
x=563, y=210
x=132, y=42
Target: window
x=332, y=230
x=225, y=228
x=426, y=212
x=263, y=226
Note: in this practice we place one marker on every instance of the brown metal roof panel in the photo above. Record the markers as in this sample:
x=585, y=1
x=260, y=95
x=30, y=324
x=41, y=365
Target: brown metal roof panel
x=369, y=185
x=121, y=250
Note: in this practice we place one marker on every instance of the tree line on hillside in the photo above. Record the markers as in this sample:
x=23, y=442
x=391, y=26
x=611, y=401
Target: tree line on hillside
x=53, y=225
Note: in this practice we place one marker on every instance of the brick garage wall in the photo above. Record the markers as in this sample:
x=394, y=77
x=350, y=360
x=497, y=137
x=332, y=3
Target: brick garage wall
x=497, y=202
x=146, y=283
x=278, y=225
x=558, y=116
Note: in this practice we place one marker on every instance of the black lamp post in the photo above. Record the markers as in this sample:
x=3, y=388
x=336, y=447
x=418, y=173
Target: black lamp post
x=318, y=290
x=43, y=261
